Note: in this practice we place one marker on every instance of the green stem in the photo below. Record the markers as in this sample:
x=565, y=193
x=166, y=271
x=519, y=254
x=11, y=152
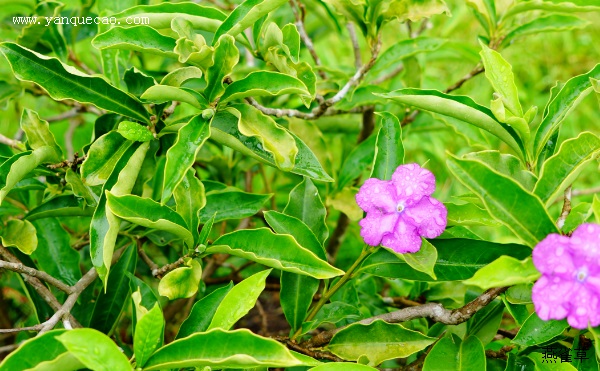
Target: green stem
x=367, y=250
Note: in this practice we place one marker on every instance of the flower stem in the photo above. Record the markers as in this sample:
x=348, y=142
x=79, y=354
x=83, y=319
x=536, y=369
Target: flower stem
x=367, y=250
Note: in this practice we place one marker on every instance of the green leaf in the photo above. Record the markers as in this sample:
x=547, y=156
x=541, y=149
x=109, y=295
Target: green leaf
x=38, y=133
x=297, y=290
x=55, y=255
x=244, y=350
x=423, y=260
x=148, y=335
x=345, y=201
x=54, y=357
x=164, y=93
x=551, y=23
x=561, y=170
x=256, y=245
x=135, y=132
x=485, y=323
x=203, y=312
x=507, y=165
x=305, y=204
x=505, y=199
x=272, y=137
x=559, y=6
x=231, y=204
x=499, y=73
x=245, y=14
x=504, y=271
x=179, y=76
x=189, y=199
x=224, y=130
x=102, y=157
x=226, y=56
x=94, y=349
x=63, y=82
x=20, y=234
x=342, y=366
x=149, y=214
x=458, y=259
x=459, y=107
x=207, y=18
x=137, y=82
x=357, y=161
x=377, y=342
x=181, y=282
x=238, y=302
x=111, y=303
x=469, y=215
x=567, y=98
x=182, y=155
x=137, y=38
x=403, y=49
x=263, y=83
x=536, y=331
x=389, y=150
x=452, y=354
x=66, y=205
x=541, y=363
x=79, y=189
x=105, y=226
x=596, y=208
x=333, y=314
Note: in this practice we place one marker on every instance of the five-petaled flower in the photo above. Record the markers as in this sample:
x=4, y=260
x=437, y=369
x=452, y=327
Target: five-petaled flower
x=570, y=283
x=400, y=211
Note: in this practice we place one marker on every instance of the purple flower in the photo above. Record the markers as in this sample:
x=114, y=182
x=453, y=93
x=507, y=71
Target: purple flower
x=570, y=282
x=400, y=211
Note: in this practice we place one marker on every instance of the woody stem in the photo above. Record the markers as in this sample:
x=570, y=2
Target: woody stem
x=367, y=250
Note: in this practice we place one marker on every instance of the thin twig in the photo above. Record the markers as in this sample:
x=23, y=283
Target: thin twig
x=355, y=44
x=583, y=192
x=299, y=11
x=21, y=268
x=566, y=210
x=435, y=311
x=65, y=115
x=169, y=111
x=309, y=352
x=11, y=143
x=142, y=253
x=73, y=58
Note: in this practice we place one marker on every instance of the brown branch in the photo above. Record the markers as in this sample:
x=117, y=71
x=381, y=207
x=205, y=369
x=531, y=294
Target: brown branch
x=501, y=354
x=169, y=110
x=309, y=352
x=66, y=163
x=566, y=209
x=583, y=192
x=12, y=143
x=435, y=311
x=142, y=253
x=299, y=12
x=21, y=268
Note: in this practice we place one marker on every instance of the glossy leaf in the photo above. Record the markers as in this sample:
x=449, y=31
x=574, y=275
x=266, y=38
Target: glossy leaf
x=227, y=56
x=238, y=301
x=499, y=72
x=389, y=150
x=148, y=334
x=20, y=234
x=335, y=366
x=263, y=83
x=102, y=157
x=460, y=107
x=458, y=259
x=244, y=350
x=165, y=93
x=94, y=349
x=256, y=245
x=452, y=354
x=224, y=130
x=203, y=312
x=135, y=132
x=245, y=14
x=551, y=23
x=469, y=214
x=423, y=260
x=189, y=199
x=182, y=155
x=504, y=271
x=181, y=282
x=560, y=170
x=179, y=76
x=79, y=189
x=305, y=204
x=507, y=165
x=137, y=38
x=273, y=138
x=38, y=133
x=231, y=204
x=150, y=214
x=567, y=98
x=69, y=83
x=357, y=161
x=505, y=199
x=536, y=331
x=377, y=342
x=552, y=6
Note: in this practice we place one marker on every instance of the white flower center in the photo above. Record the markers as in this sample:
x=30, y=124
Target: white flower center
x=400, y=207
x=581, y=275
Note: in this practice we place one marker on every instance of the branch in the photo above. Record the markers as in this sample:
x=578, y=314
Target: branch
x=355, y=44
x=11, y=143
x=589, y=191
x=566, y=210
x=324, y=106
x=299, y=11
x=20, y=268
x=435, y=311
x=65, y=115
x=309, y=352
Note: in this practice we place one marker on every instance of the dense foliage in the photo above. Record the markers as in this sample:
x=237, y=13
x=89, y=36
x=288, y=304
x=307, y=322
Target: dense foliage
x=291, y=185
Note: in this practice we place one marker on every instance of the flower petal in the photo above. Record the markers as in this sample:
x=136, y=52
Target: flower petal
x=551, y=297
x=552, y=256
x=403, y=239
x=412, y=182
x=377, y=195
x=585, y=245
x=429, y=216
x=375, y=225
x=585, y=307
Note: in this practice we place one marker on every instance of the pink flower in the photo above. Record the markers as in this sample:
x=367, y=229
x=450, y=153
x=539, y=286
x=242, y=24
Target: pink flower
x=400, y=211
x=570, y=283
